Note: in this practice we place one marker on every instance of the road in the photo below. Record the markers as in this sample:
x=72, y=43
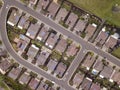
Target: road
x=85, y=45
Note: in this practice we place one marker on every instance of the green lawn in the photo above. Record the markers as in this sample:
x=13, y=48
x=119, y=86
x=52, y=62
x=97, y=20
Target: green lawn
x=101, y=8
x=116, y=52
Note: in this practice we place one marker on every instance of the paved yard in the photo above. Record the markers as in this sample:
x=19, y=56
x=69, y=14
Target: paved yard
x=101, y=8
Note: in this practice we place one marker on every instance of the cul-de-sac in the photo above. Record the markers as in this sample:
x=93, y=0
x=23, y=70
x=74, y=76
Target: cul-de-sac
x=59, y=44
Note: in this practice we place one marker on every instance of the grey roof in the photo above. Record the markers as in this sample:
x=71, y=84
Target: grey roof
x=14, y=16
x=78, y=78
x=33, y=83
x=61, y=68
x=14, y=73
x=32, y=51
x=53, y=8
x=24, y=78
x=23, y=21
x=107, y=71
x=43, y=34
x=95, y=87
x=86, y=84
x=32, y=30
x=4, y=65
x=41, y=59
x=61, y=45
x=52, y=64
x=52, y=40
x=42, y=86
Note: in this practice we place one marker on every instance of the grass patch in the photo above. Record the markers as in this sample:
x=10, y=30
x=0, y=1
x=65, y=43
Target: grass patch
x=56, y=55
x=116, y=52
x=63, y=24
x=37, y=43
x=103, y=9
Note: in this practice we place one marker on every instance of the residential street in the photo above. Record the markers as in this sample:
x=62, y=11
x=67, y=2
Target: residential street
x=84, y=45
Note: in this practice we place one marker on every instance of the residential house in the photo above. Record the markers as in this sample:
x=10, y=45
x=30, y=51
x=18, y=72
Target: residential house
x=98, y=66
x=43, y=86
x=52, y=40
x=14, y=17
x=33, y=83
x=24, y=22
x=4, y=66
x=61, y=46
x=72, y=50
x=60, y=70
x=90, y=30
x=86, y=84
x=80, y=26
x=112, y=41
x=95, y=86
x=33, y=50
x=71, y=20
x=115, y=76
x=43, y=56
x=43, y=34
x=53, y=8
x=52, y=65
x=51, y=88
x=101, y=38
x=24, y=79
x=78, y=78
x=14, y=73
x=107, y=72
x=22, y=42
x=33, y=30
x=61, y=15
x=88, y=62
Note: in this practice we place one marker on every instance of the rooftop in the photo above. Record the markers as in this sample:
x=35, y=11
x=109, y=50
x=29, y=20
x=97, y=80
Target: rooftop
x=42, y=86
x=32, y=30
x=95, y=87
x=34, y=83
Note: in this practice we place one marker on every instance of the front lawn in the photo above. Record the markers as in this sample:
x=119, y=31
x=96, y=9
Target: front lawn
x=101, y=8
x=116, y=52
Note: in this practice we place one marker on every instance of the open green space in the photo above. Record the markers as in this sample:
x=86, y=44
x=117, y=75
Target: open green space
x=101, y=8
x=116, y=52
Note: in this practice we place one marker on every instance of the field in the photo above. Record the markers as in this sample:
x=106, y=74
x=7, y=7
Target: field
x=101, y=8
x=116, y=52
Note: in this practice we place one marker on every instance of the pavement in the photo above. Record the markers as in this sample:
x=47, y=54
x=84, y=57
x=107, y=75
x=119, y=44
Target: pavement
x=84, y=44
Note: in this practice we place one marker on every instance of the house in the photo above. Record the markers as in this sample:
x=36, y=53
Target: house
x=42, y=4
x=71, y=20
x=52, y=40
x=107, y=72
x=14, y=17
x=52, y=65
x=80, y=26
x=98, y=66
x=90, y=30
x=86, y=84
x=61, y=45
x=112, y=41
x=33, y=83
x=43, y=34
x=43, y=86
x=4, y=66
x=60, y=70
x=115, y=76
x=95, y=86
x=24, y=79
x=33, y=50
x=53, y=8
x=101, y=38
x=33, y=30
x=51, y=88
x=22, y=42
x=72, y=50
x=78, y=78
x=43, y=56
x=14, y=73
x=61, y=15
x=88, y=62
x=33, y=2
x=24, y=22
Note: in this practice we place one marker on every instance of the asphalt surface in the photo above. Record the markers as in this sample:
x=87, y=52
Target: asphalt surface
x=85, y=45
